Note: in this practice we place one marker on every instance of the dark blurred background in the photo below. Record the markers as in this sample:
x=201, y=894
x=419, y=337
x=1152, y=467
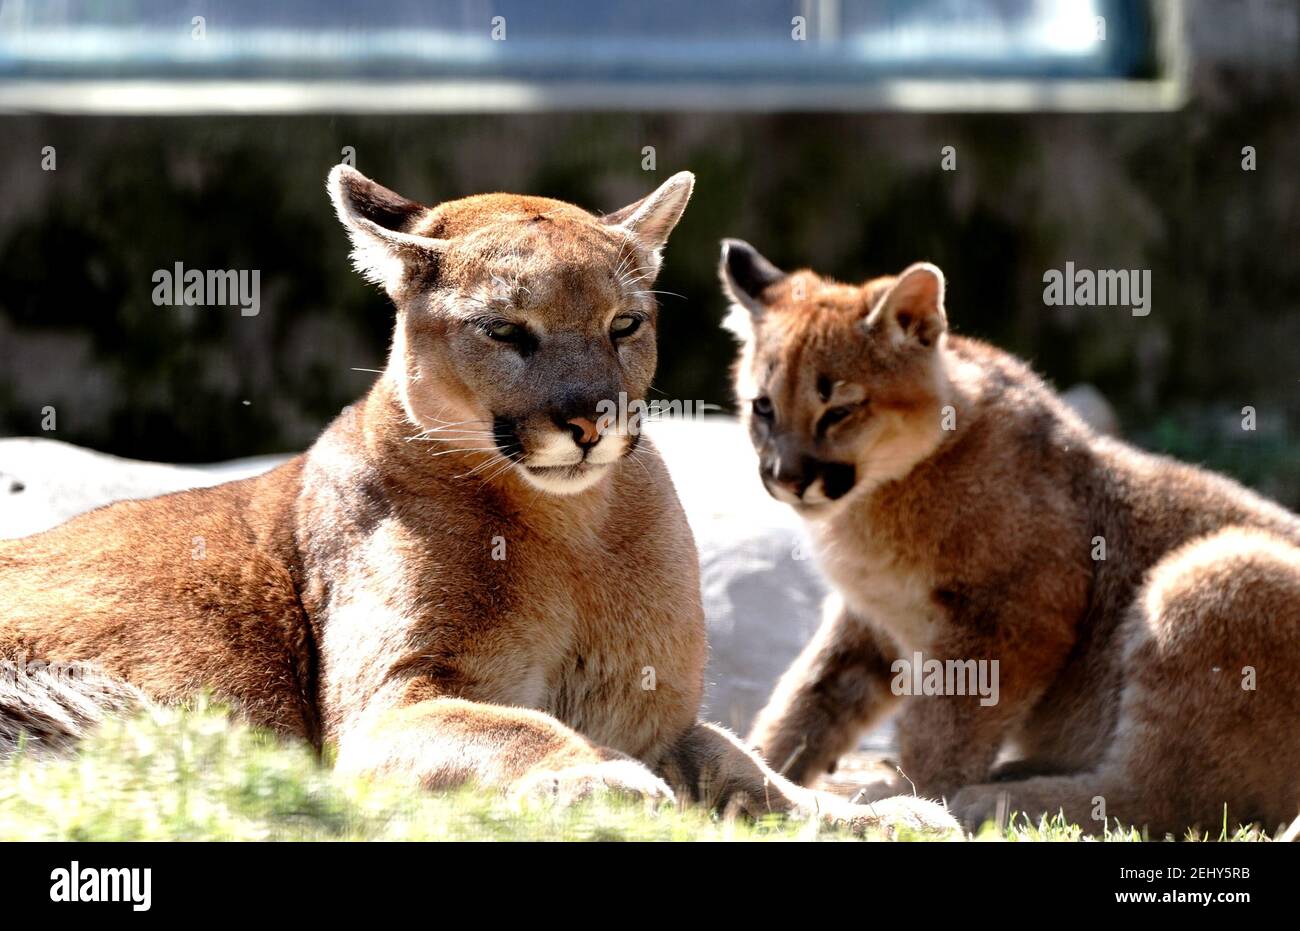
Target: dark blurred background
x=836, y=166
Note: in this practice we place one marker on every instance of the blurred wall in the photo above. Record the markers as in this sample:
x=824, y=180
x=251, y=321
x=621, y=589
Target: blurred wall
x=851, y=195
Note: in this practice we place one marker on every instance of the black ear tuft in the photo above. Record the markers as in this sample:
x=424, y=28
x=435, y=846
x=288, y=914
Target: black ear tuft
x=746, y=272
x=378, y=204
x=378, y=223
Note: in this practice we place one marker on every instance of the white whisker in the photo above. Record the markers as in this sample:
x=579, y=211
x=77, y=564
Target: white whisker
x=470, y=449
x=633, y=457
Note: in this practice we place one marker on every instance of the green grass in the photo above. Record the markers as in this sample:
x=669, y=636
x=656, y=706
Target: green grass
x=194, y=774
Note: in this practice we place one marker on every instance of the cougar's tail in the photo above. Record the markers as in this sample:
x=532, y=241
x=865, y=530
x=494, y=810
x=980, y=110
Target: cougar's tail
x=47, y=710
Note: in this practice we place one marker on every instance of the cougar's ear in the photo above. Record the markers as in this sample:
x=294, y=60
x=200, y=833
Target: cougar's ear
x=745, y=275
x=377, y=221
x=912, y=309
x=652, y=218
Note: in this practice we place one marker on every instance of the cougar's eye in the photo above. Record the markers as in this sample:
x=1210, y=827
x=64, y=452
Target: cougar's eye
x=763, y=407
x=624, y=325
x=504, y=332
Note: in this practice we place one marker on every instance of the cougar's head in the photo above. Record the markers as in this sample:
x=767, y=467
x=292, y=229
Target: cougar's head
x=523, y=323
x=842, y=386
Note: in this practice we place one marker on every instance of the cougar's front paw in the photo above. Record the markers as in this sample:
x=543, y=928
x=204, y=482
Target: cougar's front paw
x=625, y=778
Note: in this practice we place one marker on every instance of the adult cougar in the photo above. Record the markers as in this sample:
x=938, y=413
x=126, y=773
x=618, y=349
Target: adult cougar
x=1144, y=615
x=468, y=577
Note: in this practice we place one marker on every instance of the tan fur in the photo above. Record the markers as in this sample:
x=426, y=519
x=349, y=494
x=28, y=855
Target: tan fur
x=1120, y=679
x=453, y=584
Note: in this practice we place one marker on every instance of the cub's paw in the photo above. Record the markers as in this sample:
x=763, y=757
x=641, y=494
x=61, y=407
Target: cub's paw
x=895, y=816
x=623, y=778
x=975, y=806
x=1027, y=802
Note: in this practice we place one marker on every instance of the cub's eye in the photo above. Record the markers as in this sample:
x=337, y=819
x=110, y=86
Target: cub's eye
x=763, y=407
x=506, y=332
x=624, y=325
x=832, y=417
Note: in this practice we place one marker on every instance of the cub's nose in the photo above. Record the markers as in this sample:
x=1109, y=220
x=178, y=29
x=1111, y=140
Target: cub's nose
x=584, y=431
x=789, y=474
x=828, y=480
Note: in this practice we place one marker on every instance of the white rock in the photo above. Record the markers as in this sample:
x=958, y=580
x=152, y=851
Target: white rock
x=762, y=592
x=45, y=482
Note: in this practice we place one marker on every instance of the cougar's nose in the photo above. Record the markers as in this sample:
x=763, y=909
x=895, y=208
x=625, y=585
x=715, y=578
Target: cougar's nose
x=584, y=431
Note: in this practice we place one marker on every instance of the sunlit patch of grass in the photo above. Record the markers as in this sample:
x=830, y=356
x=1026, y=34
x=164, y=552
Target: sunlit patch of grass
x=195, y=774
x=1052, y=828
x=1056, y=828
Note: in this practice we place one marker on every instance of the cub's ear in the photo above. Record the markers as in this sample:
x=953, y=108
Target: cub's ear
x=745, y=276
x=376, y=220
x=912, y=309
x=653, y=217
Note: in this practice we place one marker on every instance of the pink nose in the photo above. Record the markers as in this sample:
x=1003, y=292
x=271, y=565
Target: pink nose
x=584, y=431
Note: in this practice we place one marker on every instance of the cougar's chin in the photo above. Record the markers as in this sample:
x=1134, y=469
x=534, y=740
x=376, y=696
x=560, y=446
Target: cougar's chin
x=564, y=479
